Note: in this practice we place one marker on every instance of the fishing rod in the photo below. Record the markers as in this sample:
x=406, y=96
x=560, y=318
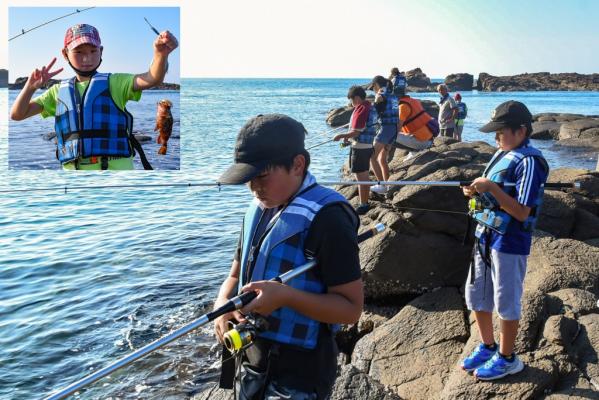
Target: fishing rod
x=327, y=133
x=233, y=304
x=66, y=188
x=23, y=31
x=151, y=27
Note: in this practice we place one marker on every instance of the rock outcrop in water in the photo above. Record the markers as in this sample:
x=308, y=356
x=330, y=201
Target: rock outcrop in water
x=569, y=130
x=457, y=82
x=411, y=351
x=540, y=81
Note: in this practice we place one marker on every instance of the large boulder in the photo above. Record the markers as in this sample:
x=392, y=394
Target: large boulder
x=339, y=116
x=587, y=128
x=414, y=352
x=545, y=130
x=417, y=79
x=461, y=81
x=423, y=247
x=557, y=339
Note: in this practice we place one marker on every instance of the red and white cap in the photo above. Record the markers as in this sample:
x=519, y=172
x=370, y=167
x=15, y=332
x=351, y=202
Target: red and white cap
x=81, y=34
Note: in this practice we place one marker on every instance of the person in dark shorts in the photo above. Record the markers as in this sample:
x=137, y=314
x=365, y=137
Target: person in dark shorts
x=387, y=106
x=290, y=220
x=360, y=135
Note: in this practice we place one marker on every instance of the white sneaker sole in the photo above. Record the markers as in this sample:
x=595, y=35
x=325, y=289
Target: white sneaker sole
x=518, y=368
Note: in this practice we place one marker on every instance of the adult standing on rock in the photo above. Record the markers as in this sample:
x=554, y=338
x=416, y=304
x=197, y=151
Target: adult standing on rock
x=447, y=111
x=460, y=117
x=387, y=107
x=506, y=216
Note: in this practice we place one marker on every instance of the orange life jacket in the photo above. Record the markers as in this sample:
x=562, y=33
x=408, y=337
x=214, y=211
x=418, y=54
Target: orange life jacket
x=418, y=117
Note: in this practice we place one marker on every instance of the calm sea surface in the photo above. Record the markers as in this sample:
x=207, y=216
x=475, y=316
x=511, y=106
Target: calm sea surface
x=88, y=276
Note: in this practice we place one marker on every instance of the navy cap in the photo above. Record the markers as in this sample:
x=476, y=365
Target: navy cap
x=262, y=140
x=509, y=114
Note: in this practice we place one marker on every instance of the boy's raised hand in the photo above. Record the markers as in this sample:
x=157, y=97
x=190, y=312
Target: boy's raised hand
x=165, y=43
x=39, y=78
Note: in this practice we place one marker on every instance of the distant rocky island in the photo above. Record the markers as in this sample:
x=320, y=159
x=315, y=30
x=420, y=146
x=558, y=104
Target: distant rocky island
x=540, y=81
x=418, y=81
x=20, y=82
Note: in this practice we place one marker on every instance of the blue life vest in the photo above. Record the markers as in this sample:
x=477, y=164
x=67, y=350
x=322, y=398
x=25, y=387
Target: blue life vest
x=399, y=85
x=369, y=132
x=390, y=116
x=501, y=169
x=462, y=110
x=92, y=124
x=280, y=249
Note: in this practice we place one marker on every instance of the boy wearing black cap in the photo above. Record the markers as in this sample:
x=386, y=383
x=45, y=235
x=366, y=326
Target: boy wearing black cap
x=290, y=220
x=506, y=215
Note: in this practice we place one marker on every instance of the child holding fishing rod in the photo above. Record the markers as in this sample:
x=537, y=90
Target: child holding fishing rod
x=93, y=127
x=291, y=220
x=506, y=216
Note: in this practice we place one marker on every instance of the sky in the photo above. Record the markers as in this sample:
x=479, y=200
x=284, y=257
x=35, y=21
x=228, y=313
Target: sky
x=126, y=37
x=355, y=38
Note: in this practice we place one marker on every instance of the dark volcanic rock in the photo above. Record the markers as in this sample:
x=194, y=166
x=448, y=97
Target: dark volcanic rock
x=461, y=81
x=537, y=81
x=415, y=351
x=417, y=78
x=339, y=116
x=355, y=384
x=587, y=128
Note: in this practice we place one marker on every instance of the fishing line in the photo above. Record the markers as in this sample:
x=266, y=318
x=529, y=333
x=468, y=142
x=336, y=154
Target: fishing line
x=24, y=31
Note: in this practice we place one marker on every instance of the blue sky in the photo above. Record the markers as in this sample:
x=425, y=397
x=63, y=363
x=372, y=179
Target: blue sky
x=126, y=37
x=345, y=38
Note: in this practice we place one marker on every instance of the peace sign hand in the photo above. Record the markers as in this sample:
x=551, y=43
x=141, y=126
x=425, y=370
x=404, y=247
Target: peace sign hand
x=39, y=78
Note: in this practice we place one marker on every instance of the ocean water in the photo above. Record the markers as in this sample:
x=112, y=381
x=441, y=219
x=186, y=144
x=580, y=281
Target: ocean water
x=87, y=276
x=29, y=150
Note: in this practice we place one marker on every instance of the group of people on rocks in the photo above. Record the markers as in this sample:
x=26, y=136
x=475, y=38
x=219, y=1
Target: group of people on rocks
x=294, y=219
x=393, y=120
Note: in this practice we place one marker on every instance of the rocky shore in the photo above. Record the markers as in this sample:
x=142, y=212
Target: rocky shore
x=418, y=81
x=415, y=327
x=574, y=131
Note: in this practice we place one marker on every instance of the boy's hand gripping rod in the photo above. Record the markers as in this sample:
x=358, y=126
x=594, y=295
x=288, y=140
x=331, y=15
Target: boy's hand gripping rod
x=233, y=304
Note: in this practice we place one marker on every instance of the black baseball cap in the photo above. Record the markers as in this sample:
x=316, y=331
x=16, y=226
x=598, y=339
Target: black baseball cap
x=262, y=140
x=509, y=114
x=379, y=80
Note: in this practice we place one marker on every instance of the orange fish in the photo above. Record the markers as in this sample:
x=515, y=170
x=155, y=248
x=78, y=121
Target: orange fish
x=164, y=124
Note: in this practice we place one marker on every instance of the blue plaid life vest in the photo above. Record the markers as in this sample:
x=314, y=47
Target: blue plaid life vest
x=462, y=110
x=369, y=132
x=399, y=85
x=501, y=169
x=280, y=249
x=92, y=124
x=390, y=116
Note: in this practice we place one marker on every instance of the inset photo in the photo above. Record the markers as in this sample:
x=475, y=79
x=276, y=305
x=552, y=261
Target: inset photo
x=94, y=88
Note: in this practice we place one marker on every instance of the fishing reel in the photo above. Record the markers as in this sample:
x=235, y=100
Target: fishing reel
x=240, y=336
x=344, y=144
x=478, y=203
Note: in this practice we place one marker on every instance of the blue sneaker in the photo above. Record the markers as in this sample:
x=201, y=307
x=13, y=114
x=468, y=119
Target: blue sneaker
x=477, y=358
x=498, y=367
